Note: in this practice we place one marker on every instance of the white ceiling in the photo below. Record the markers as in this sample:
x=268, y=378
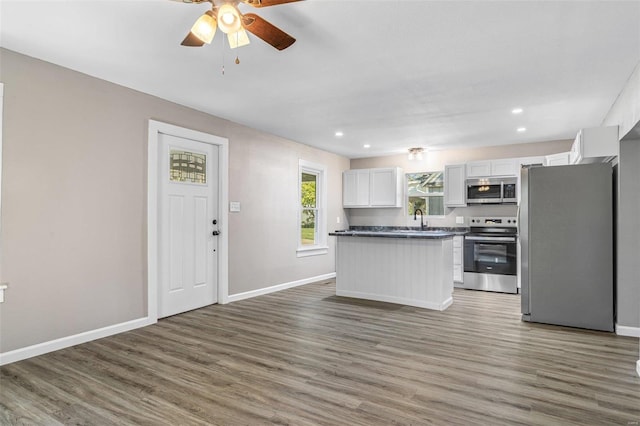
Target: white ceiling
x=390, y=73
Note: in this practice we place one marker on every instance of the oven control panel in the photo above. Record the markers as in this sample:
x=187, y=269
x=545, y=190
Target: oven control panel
x=494, y=221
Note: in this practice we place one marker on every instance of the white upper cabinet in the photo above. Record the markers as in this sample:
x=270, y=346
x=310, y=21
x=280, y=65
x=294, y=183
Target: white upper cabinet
x=355, y=188
x=479, y=169
x=454, y=185
x=386, y=187
x=530, y=161
x=595, y=144
x=488, y=168
x=560, y=159
x=505, y=167
x=363, y=188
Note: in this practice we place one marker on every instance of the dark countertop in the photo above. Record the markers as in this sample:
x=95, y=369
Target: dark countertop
x=399, y=232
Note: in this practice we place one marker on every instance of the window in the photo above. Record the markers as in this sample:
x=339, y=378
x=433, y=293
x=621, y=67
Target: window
x=425, y=191
x=312, y=220
x=187, y=167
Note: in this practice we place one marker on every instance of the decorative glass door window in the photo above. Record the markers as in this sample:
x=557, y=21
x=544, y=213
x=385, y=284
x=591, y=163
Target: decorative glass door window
x=309, y=199
x=187, y=167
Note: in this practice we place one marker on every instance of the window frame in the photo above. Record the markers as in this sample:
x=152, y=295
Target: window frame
x=431, y=194
x=321, y=247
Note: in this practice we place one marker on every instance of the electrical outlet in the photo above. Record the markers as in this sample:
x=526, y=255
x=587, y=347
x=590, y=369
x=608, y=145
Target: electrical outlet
x=234, y=206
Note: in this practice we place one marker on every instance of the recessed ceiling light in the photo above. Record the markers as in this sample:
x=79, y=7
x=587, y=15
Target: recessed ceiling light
x=366, y=145
x=521, y=129
x=339, y=134
x=516, y=111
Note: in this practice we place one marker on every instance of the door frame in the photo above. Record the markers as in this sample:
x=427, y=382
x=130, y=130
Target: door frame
x=156, y=128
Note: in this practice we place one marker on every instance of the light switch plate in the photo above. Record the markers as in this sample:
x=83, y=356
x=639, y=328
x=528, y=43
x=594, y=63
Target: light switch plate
x=234, y=206
x=460, y=220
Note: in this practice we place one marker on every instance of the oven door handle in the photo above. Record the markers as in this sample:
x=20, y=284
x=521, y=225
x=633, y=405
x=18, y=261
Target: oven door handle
x=497, y=239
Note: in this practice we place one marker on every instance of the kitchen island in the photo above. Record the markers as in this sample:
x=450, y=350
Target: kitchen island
x=409, y=267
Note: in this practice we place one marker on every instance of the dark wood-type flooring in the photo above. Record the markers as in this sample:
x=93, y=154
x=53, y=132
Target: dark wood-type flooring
x=306, y=357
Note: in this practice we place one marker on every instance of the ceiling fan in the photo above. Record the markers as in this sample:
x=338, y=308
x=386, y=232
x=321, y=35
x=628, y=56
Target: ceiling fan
x=224, y=14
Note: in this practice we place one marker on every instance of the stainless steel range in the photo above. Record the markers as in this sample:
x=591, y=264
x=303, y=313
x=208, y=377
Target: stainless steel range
x=490, y=254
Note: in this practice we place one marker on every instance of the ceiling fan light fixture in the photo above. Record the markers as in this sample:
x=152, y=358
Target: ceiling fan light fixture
x=229, y=19
x=238, y=39
x=205, y=27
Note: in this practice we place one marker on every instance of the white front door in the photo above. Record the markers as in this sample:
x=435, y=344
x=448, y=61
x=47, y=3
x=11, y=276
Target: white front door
x=188, y=224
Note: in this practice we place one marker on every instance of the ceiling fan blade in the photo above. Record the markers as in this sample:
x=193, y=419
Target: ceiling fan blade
x=192, y=41
x=266, y=31
x=265, y=3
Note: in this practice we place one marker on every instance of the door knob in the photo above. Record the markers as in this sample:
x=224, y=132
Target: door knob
x=216, y=232
x=215, y=221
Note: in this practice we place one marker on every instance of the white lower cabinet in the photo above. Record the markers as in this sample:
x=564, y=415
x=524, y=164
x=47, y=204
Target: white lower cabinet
x=458, y=258
x=409, y=271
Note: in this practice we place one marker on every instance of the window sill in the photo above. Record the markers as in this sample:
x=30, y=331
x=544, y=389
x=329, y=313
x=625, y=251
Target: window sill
x=312, y=251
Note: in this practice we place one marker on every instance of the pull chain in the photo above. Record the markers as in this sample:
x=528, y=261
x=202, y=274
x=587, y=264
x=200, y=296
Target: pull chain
x=222, y=55
x=237, y=42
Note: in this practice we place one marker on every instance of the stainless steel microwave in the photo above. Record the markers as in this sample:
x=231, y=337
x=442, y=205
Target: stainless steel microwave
x=492, y=190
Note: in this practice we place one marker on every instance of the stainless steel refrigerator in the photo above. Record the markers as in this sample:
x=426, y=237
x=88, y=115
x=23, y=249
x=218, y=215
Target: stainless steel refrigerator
x=566, y=238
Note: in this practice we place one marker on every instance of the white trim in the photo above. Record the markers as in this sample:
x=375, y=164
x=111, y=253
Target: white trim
x=638, y=367
x=278, y=287
x=623, y=330
x=76, y=339
x=401, y=300
x=321, y=247
x=155, y=129
x=1, y=113
x=312, y=251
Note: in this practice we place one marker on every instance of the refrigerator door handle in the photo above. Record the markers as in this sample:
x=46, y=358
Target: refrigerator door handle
x=523, y=232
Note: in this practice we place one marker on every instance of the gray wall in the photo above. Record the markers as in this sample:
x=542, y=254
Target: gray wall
x=628, y=239
x=74, y=201
x=625, y=113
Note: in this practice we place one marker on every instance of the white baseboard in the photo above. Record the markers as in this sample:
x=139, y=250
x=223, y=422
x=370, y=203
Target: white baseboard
x=76, y=339
x=623, y=330
x=638, y=367
x=400, y=300
x=278, y=287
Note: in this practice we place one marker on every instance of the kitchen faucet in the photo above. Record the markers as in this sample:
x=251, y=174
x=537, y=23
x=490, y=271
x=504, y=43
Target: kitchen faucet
x=415, y=213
